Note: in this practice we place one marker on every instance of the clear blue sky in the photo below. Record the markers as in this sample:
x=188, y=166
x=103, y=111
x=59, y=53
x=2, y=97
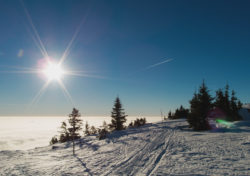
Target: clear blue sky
x=118, y=40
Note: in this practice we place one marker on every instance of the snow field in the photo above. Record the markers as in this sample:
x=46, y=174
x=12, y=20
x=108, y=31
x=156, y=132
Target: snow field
x=164, y=148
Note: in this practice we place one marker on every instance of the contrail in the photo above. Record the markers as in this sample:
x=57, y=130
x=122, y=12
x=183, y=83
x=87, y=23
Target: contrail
x=152, y=66
x=157, y=64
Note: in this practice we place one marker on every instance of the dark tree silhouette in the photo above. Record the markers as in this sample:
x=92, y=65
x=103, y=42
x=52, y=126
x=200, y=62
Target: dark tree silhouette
x=179, y=113
x=118, y=116
x=230, y=106
x=75, y=126
x=200, y=104
x=54, y=140
x=170, y=115
x=235, y=106
x=219, y=99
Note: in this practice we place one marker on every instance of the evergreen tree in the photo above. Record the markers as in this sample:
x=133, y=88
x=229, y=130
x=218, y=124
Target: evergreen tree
x=93, y=130
x=219, y=99
x=200, y=104
x=229, y=106
x=54, y=140
x=235, y=106
x=170, y=115
x=180, y=113
x=118, y=116
x=239, y=104
x=105, y=125
x=87, y=132
x=75, y=126
x=64, y=133
x=193, y=116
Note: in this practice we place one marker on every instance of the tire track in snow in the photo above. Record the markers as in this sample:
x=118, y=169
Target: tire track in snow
x=162, y=154
x=126, y=160
x=147, y=158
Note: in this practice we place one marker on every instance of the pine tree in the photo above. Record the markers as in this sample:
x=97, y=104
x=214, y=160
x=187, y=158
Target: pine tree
x=219, y=99
x=180, y=113
x=54, y=140
x=193, y=116
x=118, y=116
x=235, y=106
x=105, y=125
x=64, y=136
x=170, y=115
x=200, y=106
x=87, y=132
x=227, y=104
x=93, y=130
x=75, y=126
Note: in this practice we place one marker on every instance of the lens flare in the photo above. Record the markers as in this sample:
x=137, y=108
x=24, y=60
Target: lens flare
x=224, y=123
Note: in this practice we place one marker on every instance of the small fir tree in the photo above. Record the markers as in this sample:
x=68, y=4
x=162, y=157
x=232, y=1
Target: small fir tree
x=87, y=131
x=54, y=140
x=170, y=115
x=180, y=113
x=75, y=123
x=105, y=125
x=93, y=130
x=118, y=116
x=64, y=133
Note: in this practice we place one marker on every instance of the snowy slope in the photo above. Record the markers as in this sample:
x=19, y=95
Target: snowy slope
x=165, y=148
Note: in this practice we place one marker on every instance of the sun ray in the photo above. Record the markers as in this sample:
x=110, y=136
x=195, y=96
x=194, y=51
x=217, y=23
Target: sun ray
x=67, y=50
x=39, y=94
x=18, y=67
x=39, y=41
x=37, y=44
x=81, y=74
x=66, y=92
x=24, y=72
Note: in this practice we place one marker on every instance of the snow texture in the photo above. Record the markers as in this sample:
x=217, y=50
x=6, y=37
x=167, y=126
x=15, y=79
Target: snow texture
x=164, y=148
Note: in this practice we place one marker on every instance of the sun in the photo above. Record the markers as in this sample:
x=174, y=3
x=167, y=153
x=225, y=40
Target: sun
x=53, y=71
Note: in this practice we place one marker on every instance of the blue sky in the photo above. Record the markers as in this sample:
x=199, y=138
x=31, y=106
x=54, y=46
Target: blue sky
x=118, y=40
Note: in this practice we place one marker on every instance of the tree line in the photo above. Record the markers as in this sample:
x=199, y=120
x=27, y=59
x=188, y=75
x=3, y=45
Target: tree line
x=71, y=131
x=203, y=102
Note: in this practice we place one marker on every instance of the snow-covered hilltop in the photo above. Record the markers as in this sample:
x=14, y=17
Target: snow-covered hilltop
x=164, y=148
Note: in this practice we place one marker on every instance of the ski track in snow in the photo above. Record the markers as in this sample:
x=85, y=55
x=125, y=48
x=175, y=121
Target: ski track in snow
x=164, y=148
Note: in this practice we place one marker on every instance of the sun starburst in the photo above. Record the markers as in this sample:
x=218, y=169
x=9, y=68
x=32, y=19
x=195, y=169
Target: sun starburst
x=53, y=71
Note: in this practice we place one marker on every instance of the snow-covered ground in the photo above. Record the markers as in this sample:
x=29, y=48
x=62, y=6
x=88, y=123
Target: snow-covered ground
x=164, y=148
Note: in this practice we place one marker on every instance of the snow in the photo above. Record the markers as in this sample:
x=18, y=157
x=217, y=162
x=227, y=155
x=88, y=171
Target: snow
x=163, y=148
x=246, y=106
x=245, y=113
